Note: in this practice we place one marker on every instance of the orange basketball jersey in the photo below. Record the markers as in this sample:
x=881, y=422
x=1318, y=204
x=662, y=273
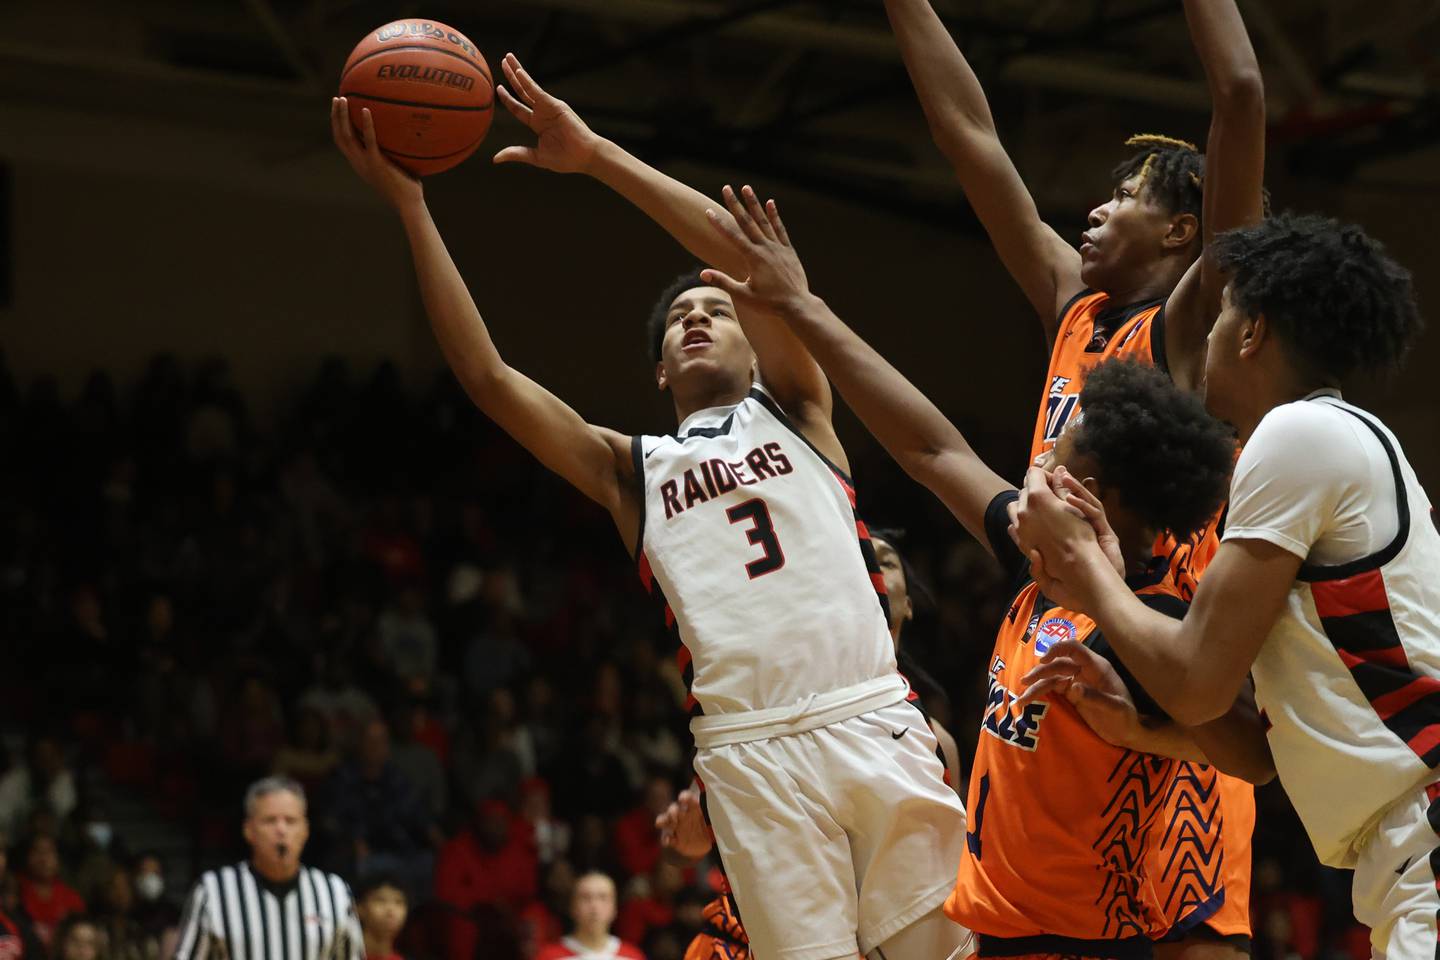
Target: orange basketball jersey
x=1092, y=330
x=1061, y=822
x=1200, y=861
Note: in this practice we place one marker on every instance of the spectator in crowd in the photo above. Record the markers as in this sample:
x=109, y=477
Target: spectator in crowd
x=651, y=901
x=17, y=936
x=594, y=780
x=418, y=762
x=511, y=735
x=378, y=817
x=44, y=783
x=382, y=905
x=551, y=835
x=93, y=850
x=252, y=728
x=495, y=656
x=223, y=916
x=486, y=766
x=79, y=938
x=115, y=915
x=46, y=898
x=154, y=911
x=637, y=845
x=490, y=862
x=343, y=704
x=592, y=911
x=308, y=757
x=408, y=639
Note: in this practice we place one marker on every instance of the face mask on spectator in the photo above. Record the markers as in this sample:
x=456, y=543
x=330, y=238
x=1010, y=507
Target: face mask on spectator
x=149, y=886
x=100, y=833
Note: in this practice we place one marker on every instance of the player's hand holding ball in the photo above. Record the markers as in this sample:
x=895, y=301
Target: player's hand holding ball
x=776, y=284
x=397, y=187
x=564, y=145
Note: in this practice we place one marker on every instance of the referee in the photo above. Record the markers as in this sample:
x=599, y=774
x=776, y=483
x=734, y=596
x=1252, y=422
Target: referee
x=270, y=907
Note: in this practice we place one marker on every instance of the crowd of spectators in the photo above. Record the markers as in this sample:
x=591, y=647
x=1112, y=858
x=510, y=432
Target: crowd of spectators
x=381, y=596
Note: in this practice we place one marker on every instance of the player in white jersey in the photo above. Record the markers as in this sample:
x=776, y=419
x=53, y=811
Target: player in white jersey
x=833, y=818
x=1325, y=583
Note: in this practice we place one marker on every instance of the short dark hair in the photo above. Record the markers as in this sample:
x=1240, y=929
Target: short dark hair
x=1156, y=446
x=1332, y=292
x=655, y=325
x=1171, y=171
x=378, y=880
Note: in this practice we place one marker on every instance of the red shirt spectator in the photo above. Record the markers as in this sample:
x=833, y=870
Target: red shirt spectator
x=637, y=842
x=490, y=862
x=47, y=900
x=654, y=909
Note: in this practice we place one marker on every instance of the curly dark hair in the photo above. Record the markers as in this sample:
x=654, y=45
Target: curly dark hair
x=655, y=324
x=1334, y=295
x=1154, y=443
x=1171, y=171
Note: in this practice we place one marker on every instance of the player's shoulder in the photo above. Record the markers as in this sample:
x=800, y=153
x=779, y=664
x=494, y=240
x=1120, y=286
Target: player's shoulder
x=553, y=951
x=1309, y=436
x=630, y=951
x=1306, y=421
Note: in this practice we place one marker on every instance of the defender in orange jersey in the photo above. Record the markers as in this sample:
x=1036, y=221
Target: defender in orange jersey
x=1136, y=288
x=1055, y=858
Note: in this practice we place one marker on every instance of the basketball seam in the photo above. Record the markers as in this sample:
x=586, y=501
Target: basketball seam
x=416, y=46
x=437, y=156
x=416, y=103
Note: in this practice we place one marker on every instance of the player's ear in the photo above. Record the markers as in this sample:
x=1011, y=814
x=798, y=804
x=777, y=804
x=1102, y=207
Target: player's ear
x=248, y=829
x=661, y=380
x=1254, y=332
x=1184, y=228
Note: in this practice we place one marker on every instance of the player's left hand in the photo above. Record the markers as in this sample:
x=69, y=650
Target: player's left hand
x=1091, y=685
x=776, y=284
x=564, y=143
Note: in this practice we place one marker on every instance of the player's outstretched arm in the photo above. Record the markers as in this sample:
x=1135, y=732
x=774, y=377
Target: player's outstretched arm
x=1234, y=175
x=903, y=419
x=565, y=144
x=1044, y=265
x=1194, y=668
x=595, y=460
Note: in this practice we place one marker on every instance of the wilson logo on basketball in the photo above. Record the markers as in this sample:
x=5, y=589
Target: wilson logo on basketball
x=435, y=75
x=419, y=28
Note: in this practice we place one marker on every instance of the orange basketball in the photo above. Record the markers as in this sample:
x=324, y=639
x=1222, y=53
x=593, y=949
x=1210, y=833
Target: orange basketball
x=428, y=88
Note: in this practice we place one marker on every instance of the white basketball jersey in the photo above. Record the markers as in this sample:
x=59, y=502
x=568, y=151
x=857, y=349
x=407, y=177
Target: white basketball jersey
x=1349, y=677
x=749, y=538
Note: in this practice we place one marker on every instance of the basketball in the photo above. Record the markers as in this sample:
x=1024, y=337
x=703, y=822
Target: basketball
x=429, y=89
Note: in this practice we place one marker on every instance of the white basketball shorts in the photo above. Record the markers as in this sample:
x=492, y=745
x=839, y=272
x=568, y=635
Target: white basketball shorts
x=835, y=837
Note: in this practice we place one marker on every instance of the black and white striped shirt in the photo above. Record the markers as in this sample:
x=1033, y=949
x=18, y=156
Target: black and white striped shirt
x=235, y=914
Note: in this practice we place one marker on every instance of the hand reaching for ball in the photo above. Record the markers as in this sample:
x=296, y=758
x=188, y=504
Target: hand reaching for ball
x=564, y=145
x=397, y=187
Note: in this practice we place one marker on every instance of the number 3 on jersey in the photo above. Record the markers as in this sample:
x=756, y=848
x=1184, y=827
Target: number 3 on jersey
x=762, y=533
